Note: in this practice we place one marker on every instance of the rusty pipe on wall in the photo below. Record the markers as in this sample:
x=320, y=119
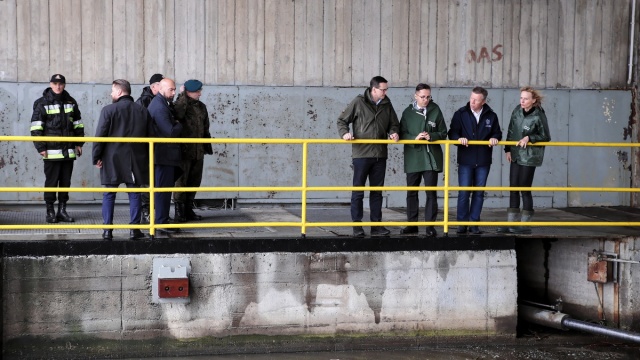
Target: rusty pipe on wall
x=558, y=320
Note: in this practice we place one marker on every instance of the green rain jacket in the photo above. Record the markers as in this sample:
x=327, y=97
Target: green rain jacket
x=417, y=157
x=369, y=121
x=533, y=125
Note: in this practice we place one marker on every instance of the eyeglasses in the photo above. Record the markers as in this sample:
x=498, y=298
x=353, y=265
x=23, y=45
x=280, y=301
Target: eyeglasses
x=383, y=90
x=425, y=97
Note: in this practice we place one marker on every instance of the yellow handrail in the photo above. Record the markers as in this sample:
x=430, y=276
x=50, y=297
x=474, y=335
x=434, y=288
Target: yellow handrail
x=304, y=188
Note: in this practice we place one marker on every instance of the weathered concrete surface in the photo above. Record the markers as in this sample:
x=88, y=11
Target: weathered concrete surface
x=443, y=293
x=311, y=112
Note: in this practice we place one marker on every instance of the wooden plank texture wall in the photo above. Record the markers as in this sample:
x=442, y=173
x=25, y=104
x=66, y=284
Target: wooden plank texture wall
x=495, y=43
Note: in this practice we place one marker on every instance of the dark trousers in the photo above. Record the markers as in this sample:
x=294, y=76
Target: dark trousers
x=374, y=169
x=109, y=201
x=521, y=176
x=431, y=206
x=164, y=177
x=57, y=174
x=144, y=198
x=191, y=177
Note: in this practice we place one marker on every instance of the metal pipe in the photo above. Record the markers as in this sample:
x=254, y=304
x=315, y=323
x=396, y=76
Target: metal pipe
x=620, y=261
x=556, y=307
x=538, y=316
x=633, y=23
x=573, y=324
x=558, y=320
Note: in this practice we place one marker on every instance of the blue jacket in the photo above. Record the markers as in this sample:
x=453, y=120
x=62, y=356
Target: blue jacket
x=165, y=126
x=463, y=125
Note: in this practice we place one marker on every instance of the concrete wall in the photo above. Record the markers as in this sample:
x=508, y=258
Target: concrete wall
x=576, y=44
x=553, y=270
x=311, y=112
x=93, y=298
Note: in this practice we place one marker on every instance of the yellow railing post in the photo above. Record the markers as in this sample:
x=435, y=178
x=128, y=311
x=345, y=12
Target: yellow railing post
x=303, y=214
x=447, y=155
x=152, y=186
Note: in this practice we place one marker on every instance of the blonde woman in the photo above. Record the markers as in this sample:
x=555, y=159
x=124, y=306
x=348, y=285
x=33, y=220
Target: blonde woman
x=528, y=125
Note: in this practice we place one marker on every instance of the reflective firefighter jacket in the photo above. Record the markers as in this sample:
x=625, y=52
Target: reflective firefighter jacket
x=56, y=115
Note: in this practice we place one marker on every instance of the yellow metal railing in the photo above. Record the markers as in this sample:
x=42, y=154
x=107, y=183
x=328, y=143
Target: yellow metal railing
x=304, y=188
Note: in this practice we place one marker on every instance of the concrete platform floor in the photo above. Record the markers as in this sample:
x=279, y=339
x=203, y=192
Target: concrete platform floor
x=16, y=214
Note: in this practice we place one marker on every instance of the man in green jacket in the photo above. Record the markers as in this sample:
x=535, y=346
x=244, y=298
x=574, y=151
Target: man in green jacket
x=371, y=116
x=422, y=120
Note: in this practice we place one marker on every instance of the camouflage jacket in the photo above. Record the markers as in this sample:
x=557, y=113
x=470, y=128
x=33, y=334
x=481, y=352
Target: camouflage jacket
x=195, y=121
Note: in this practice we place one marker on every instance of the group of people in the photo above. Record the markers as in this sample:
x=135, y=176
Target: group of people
x=372, y=116
x=368, y=116
x=154, y=114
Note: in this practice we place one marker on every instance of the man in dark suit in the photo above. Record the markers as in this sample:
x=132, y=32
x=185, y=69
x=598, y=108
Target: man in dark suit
x=122, y=162
x=167, y=155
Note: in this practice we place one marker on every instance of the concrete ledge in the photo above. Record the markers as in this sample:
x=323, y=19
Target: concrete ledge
x=249, y=245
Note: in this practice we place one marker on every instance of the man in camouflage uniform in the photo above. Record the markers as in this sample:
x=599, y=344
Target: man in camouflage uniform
x=193, y=115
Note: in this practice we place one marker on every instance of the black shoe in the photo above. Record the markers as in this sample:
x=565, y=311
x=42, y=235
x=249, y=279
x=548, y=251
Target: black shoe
x=358, y=231
x=62, y=213
x=194, y=217
x=191, y=215
x=179, y=216
x=51, y=214
x=474, y=230
x=409, y=230
x=431, y=232
x=169, y=230
x=461, y=230
x=135, y=234
x=107, y=234
x=379, y=231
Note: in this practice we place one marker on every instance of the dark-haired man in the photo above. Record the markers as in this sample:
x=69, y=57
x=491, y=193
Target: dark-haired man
x=56, y=113
x=474, y=121
x=122, y=162
x=371, y=116
x=422, y=120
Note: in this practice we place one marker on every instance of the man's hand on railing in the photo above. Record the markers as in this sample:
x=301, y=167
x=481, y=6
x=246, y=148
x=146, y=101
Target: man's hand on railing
x=348, y=137
x=463, y=141
x=493, y=142
x=394, y=137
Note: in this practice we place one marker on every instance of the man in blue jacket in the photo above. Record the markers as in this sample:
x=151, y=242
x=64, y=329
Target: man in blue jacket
x=167, y=155
x=474, y=121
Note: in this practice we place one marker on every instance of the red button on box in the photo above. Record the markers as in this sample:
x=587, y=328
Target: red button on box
x=173, y=288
